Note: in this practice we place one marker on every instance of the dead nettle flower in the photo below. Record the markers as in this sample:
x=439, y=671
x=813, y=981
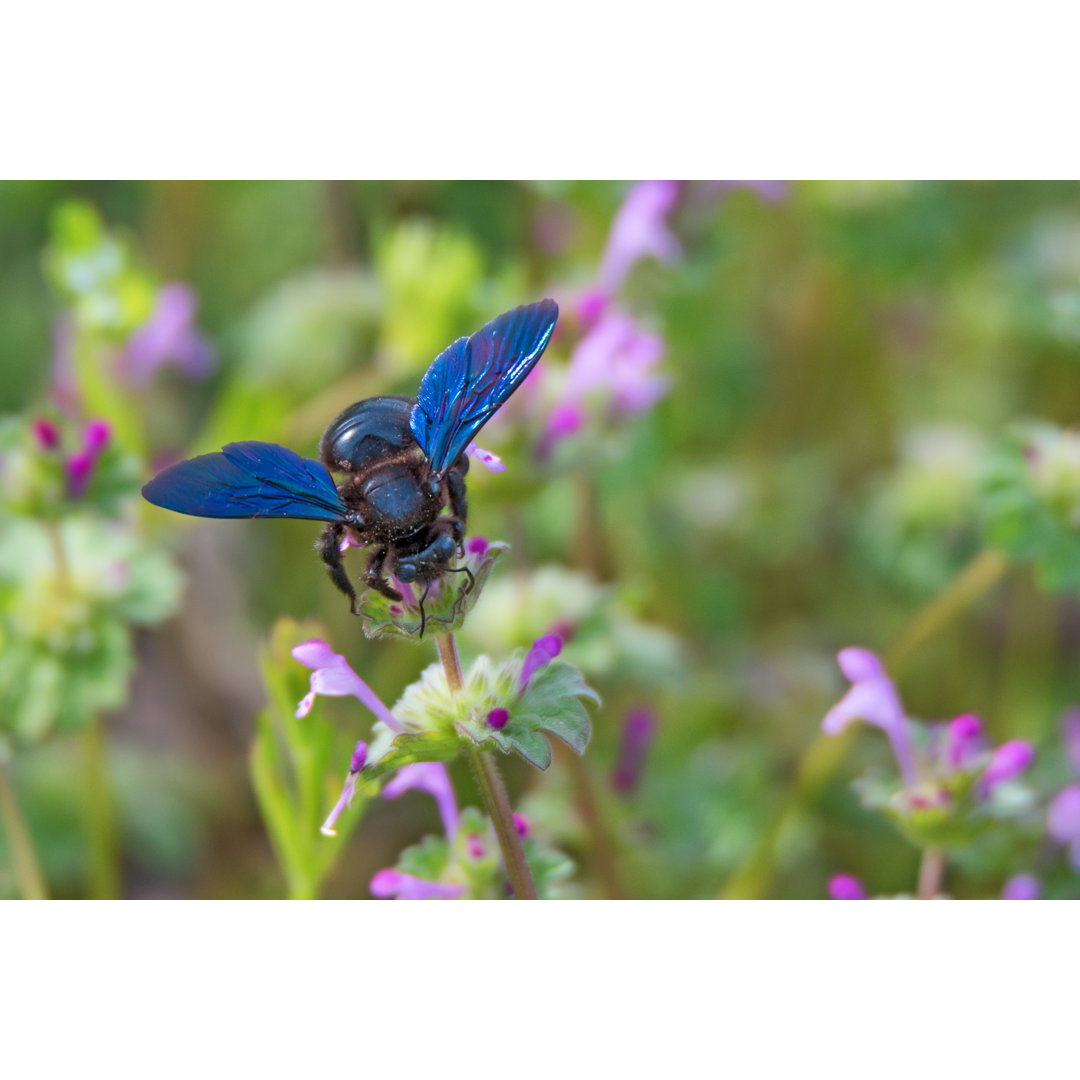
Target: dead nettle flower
x=1022, y=887
x=168, y=339
x=332, y=676
x=542, y=651
x=638, y=731
x=80, y=465
x=394, y=884
x=432, y=777
x=846, y=887
x=639, y=231
x=46, y=434
x=356, y=766
x=491, y=462
x=938, y=763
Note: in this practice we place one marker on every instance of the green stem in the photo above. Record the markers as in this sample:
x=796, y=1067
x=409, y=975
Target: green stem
x=931, y=873
x=492, y=789
x=825, y=754
x=27, y=869
x=100, y=820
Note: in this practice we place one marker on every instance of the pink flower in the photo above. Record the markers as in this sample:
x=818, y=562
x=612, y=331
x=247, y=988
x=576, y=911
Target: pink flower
x=491, y=462
x=1009, y=759
x=431, y=777
x=638, y=730
x=846, y=887
x=639, y=231
x=333, y=677
x=168, y=338
x=391, y=883
x=1022, y=887
x=873, y=698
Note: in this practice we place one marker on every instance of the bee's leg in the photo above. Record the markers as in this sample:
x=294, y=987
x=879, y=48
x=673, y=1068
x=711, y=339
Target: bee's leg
x=428, y=564
x=329, y=547
x=373, y=576
x=459, y=506
x=423, y=614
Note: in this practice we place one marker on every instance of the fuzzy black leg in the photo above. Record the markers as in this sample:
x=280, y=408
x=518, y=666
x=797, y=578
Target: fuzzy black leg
x=329, y=547
x=373, y=576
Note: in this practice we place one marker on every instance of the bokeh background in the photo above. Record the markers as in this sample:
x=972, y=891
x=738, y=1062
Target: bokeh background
x=774, y=422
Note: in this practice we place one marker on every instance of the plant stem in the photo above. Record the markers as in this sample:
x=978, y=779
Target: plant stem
x=492, y=789
x=100, y=820
x=824, y=755
x=931, y=873
x=27, y=869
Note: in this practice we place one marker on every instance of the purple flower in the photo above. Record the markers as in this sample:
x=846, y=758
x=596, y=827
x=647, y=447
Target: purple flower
x=639, y=231
x=615, y=358
x=521, y=823
x=1008, y=760
x=491, y=462
x=96, y=436
x=963, y=741
x=846, y=887
x=1063, y=821
x=1022, y=887
x=46, y=433
x=356, y=766
x=432, y=777
x=80, y=466
x=168, y=338
x=474, y=845
x=638, y=730
x=333, y=677
x=393, y=883
x=872, y=698
x=541, y=653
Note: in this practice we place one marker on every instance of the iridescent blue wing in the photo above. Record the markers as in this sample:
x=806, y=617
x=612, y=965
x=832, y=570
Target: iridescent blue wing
x=469, y=380
x=248, y=480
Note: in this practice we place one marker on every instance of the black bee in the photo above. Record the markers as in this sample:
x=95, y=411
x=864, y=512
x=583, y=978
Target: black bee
x=404, y=462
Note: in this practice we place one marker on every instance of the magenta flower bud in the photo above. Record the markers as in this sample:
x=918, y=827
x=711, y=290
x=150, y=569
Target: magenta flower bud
x=79, y=467
x=963, y=740
x=96, y=436
x=46, y=433
x=359, y=757
x=563, y=629
x=564, y=420
x=1022, y=887
x=1009, y=759
x=498, y=718
x=846, y=887
x=541, y=653
x=390, y=883
x=476, y=545
x=521, y=823
x=638, y=731
x=475, y=846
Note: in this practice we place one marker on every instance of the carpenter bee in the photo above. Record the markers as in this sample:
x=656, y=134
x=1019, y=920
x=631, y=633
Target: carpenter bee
x=403, y=460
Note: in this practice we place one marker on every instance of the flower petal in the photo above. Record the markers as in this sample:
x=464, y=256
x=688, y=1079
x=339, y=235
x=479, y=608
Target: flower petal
x=433, y=778
x=393, y=883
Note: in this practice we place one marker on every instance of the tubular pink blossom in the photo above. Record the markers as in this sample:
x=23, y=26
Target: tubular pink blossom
x=1022, y=887
x=431, y=777
x=873, y=699
x=491, y=462
x=393, y=883
x=333, y=677
x=1008, y=760
x=356, y=766
x=639, y=231
x=541, y=653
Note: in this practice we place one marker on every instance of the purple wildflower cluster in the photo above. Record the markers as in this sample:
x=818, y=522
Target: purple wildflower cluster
x=949, y=773
x=1063, y=814
x=80, y=464
x=332, y=676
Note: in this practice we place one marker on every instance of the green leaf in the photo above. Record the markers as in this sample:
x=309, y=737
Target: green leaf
x=551, y=705
x=390, y=751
